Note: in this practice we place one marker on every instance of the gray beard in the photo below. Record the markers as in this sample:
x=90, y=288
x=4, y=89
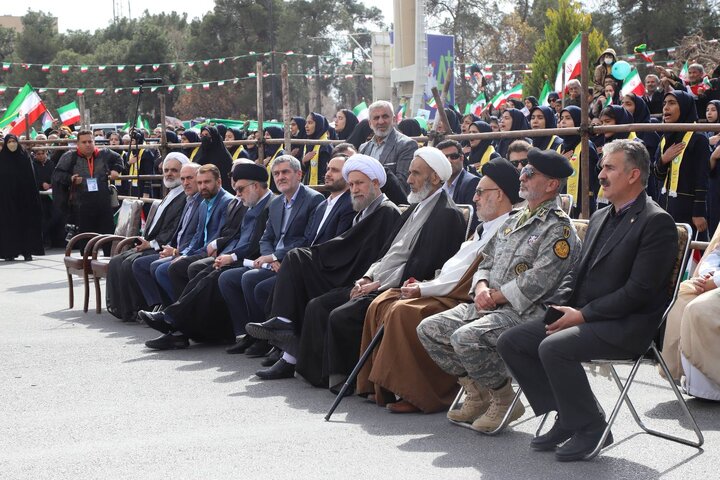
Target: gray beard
x=420, y=195
x=171, y=184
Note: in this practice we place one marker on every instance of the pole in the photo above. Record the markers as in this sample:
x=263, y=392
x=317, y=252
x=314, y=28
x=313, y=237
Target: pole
x=285, y=104
x=163, y=125
x=562, y=92
x=318, y=90
x=584, y=128
x=440, y=104
x=81, y=102
x=27, y=126
x=260, y=113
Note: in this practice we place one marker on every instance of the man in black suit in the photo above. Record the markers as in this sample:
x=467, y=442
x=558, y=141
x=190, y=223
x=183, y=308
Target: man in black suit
x=615, y=298
x=653, y=94
x=462, y=184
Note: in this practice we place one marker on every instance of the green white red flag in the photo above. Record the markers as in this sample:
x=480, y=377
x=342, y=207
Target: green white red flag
x=69, y=114
x=28, y=104
x=570, y=60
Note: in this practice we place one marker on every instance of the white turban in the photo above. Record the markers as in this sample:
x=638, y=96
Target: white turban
x=177, y=156
x=367, y=165
x=436, y=160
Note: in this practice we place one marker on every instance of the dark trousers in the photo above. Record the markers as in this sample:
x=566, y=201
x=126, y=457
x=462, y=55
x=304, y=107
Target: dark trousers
x=122, y=293
x=549, y=369
x=255, y=285
x=230, y=284
x=179, y=272
x=94, y=215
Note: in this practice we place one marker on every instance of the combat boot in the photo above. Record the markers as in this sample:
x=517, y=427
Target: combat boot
x=477, y=401
x=500, y=402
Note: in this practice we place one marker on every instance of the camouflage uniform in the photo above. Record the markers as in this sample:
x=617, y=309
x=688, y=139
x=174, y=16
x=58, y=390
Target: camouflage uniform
x=526, y=260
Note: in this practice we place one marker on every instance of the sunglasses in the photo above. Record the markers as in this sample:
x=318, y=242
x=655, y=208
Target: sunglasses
x=515, y=163
x=453, y=156
x=529, y=172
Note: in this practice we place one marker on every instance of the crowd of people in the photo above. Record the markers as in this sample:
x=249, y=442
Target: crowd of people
x=242, y=250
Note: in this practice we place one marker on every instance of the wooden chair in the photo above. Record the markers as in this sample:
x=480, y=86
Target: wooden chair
x=468, y=211
x=566, y=202
x=101, y=266
x=128, y=222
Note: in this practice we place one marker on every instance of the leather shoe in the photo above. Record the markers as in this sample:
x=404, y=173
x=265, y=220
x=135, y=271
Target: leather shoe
x=552, y=438
x=168, y=342
x=581, y=444
x=155, y=321
x=241, y=345
x=402, y=406
x=258, y=349
x=274, y=355
x=281, y=369
x=270, y=329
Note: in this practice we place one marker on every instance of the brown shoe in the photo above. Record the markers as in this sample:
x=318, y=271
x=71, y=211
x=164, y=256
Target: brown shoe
x=403, y=406
x=476, y=402
x=502, y=398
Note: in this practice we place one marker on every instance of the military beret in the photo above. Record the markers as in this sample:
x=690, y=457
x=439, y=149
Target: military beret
x=550, y=163
x=505, y=175
x=249, y=171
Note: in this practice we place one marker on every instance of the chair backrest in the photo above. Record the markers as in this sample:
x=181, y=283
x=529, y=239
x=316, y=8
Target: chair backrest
x=128, y=222
x=581, y=228
x=468, y=211
x=151, y=214
x=566, y=202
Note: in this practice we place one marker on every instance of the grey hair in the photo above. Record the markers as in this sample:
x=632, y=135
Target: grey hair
x=652, y=75
x=381, y=104
x=696, y=66
x=636, y=156
x=574, y=82
x=294, y=162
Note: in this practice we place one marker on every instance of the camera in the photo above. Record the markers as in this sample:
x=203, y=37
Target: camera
x=71, y=230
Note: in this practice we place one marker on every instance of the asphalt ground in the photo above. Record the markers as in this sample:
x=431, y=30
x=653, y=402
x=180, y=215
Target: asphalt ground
x=82, y=397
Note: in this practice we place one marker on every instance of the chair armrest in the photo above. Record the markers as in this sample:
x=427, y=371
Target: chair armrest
x=100, y=242
x=77, y=238
x=124, y=245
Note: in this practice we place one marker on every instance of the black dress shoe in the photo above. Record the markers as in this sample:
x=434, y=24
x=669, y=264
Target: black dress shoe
x=258, y=349
x=281, y=369
x=168, y=342
x=241, y=345
x=550, y=440
x=27, y=257
x=155, y=321
x=270, y=329
x=581, y=444
x=274, y=355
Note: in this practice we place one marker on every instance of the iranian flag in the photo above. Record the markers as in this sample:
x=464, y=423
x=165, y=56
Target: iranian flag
x=571, y=60
x=69, y=114
x=633, y=84
x=361, y=111
x=515, y=92
x=543, y=100
x=497, y=100
x=478, y=105
x=26, y=103
x=684, y=73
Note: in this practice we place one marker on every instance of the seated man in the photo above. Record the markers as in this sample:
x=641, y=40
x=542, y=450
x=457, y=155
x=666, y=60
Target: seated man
x=124, y=297
x=200, y=312
x=426, y=235
x=521, y=268
x=619, y=291
x=690, y=347
x=289, y=215
x=400, y=365
x=211, y=218
x=143, y=268
x=310, y=272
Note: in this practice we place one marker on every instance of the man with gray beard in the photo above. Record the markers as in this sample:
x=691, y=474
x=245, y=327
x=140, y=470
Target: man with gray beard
x=123, y=294
x=426, y=235
x=309, y=272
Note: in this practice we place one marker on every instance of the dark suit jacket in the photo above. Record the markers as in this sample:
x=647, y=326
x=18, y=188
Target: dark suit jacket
x=628, y=283
x=214, y=225
x=247, y=240
x=234, y=214
x=339, y=220
x=465, y=188
x=396, y=155
x=305, y=203
x=183, y=242
x=167, y=224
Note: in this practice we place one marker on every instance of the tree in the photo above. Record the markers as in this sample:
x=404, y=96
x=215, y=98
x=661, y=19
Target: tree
x=563, y=26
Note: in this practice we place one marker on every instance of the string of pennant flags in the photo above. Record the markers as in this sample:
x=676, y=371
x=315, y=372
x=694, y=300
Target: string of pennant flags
x=205, y=85
x=154, y=67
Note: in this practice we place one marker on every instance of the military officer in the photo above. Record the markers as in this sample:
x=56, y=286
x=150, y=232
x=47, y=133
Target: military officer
x=522, y=267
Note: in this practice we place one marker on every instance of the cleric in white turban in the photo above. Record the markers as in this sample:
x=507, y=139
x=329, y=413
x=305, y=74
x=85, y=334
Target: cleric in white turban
x=436, y=160
x=367, y=165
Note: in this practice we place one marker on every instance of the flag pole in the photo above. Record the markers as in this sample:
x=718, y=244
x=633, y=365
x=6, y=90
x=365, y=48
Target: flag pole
x=584, y=128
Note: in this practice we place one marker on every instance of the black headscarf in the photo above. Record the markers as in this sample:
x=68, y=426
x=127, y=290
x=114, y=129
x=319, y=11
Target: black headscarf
x=477, y=153
x=213, y=151
x=642, y=115
x=275, y=132
x=410, y=127
x=222, y=130
x=360, y=134
x=172, y=138
x=321, y=126
x=621, y=116
x=688, y=114
x=716, y=103
x=237, y=135
x=192, y=137
x=20, y=215
x=550, y=122
x=571, y=141
x=351, y=122
x=533, y=101
x=519, y=122
x=452, y=120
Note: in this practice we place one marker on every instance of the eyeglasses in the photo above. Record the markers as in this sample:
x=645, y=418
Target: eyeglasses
x=480, y=191
x=528, y=172
x=453, y=156
x=515, y=163
x=240, y=189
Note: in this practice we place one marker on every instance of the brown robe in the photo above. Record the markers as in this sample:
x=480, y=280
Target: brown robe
x=400, y=364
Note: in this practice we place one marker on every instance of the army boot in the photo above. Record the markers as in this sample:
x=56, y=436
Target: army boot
x=477, y=400
x=499, y=405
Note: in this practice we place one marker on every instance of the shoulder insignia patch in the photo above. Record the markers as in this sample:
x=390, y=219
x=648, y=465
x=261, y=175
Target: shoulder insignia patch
x=521, y=268
x=507, y=231
x=532, y=239
x=561, y=249
x=566, y=232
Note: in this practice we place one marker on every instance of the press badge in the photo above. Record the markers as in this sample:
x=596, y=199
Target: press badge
x=92, y=185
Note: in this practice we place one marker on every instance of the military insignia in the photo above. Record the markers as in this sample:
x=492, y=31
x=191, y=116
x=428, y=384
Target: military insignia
x=507, y=231
x=562, y=249
x=566, y=232
x=542, y=212
x=521, y=268
x=532, y=239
